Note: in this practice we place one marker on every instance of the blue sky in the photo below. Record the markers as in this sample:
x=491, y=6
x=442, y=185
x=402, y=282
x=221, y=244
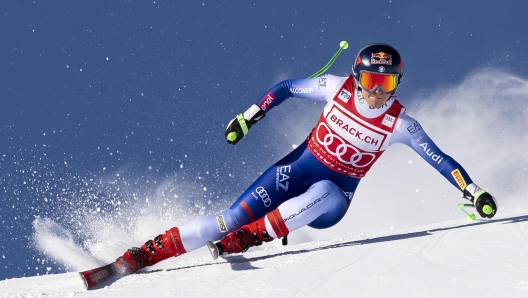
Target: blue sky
x=102, y=96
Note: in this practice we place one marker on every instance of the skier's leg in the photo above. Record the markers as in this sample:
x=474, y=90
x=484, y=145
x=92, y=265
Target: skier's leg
x=323, y=205
x=179, y=240
x=324, y=199
x=194, y=234
x=280, y=182
x=207, y=228
x=277, y=184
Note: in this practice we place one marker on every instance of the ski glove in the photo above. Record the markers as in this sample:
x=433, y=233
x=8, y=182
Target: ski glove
x=239, y=126
x=484, y=202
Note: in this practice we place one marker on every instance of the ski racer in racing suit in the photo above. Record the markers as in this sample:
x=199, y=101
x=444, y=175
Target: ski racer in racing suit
x=314, y=184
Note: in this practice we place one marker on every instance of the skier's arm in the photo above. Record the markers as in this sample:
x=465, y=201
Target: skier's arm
x=319, y=89
x=409, y=132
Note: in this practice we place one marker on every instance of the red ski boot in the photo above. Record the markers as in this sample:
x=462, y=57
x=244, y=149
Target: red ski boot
x=252, y=234
x=161, y=248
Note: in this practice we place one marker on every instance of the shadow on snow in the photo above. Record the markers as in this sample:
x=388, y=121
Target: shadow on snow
x=239, y=262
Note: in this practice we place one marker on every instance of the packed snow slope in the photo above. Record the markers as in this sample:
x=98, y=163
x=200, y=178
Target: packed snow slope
x=483, y=258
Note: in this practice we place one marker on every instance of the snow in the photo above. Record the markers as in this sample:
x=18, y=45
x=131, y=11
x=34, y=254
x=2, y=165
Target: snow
x=483, y=258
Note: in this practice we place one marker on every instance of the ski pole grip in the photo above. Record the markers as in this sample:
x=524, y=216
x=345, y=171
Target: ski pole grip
x=232, y=136
x=487, y=209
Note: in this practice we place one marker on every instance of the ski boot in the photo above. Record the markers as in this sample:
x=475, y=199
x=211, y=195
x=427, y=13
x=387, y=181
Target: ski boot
x=153, y=251
x=253, y=234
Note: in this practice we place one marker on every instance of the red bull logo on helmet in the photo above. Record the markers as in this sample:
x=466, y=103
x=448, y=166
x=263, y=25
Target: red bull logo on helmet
x=381, y=58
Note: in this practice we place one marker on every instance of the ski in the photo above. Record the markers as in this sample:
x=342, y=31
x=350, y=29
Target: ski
x=100, y=275
x=213, y=249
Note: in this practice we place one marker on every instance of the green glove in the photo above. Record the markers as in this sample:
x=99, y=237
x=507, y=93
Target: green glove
x=485, y=205
x=484, y=202
x=239, y=126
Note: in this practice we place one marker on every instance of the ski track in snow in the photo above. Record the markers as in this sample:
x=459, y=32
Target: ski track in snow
x=484, y=258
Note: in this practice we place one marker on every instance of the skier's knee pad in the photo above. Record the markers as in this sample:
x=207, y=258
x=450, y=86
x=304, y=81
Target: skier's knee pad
x=338, y=206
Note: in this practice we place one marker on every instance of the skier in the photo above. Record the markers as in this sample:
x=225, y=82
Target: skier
x=314, y=184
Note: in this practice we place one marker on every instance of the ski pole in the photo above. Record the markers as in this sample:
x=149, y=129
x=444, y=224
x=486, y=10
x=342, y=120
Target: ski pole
x=470, y=216
x=343, y=45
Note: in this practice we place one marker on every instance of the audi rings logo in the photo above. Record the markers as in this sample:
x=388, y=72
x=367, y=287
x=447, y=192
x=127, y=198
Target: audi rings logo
x=263, y=194
x=343, y=151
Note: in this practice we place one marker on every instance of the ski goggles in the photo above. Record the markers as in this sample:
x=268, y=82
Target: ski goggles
x=369, y=81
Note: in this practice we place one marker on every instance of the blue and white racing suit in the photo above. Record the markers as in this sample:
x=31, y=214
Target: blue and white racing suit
x=314, y=184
